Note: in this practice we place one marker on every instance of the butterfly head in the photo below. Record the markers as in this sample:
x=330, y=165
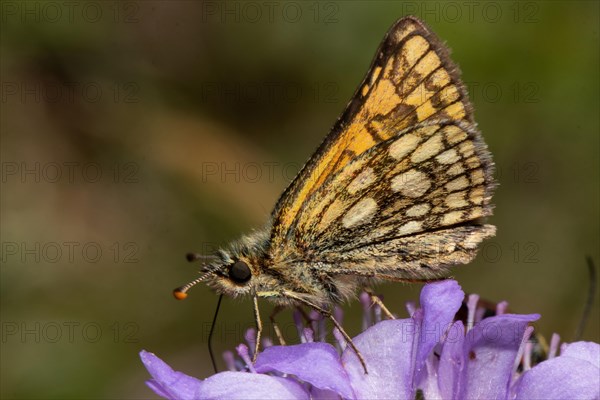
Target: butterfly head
x=234, y=272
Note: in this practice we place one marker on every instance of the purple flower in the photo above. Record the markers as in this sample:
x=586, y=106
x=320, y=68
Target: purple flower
x=427, y=354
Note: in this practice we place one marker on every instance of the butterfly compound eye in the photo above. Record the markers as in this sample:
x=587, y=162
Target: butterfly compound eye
x=239, y=272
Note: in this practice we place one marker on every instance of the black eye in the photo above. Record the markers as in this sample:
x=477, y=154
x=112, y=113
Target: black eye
x=239, y=272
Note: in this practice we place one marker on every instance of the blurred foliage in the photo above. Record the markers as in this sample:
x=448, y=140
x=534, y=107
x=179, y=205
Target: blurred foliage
x=179, y=105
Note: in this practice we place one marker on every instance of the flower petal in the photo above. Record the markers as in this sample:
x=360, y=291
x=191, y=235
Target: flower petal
x=452, y=362
x=439, y=301
x=316, y=363
x=323, y=394
x=158, y=389
x=167, y=382
x=387, y=350
x=245, y=385
x=588, y=351
x=490, y=351
x=562, y=377
x=429, y=385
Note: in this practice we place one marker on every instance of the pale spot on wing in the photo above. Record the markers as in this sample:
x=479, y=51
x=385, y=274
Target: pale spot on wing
x=427, y=64
x=440, y=78
x=476, y=212
x=383, y=98
x=427, y=131
x=456, y=110
x=467, y=148
x=418, y=210
x=454, y=134
x=414, y=48
x=449, y=94
x=389, y=68
x=477, y=177
x=362, y=181
x=448, y=157
x=457, y=184
x=476, y=195
x=361, y=213
x=425, y=110
x=402, y=33
x=375, y=75
x=452, y=218
x=406, y=144
x=428, y=149
x=455, y=169
x=410, y=227
x=411, y=183
x=334, y=210
x=472, y=162
x=456, y=200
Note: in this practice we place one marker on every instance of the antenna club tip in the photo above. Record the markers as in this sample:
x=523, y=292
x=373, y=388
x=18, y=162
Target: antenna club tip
x=179, y=294
x=191, y=257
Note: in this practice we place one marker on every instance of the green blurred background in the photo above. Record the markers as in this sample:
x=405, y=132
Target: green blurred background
x=134, y=132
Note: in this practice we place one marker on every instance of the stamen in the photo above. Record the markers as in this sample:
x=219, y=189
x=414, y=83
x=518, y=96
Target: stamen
x=411, y=307
x=479, y=313
x=315, y=317
x=553, y=345
x=377, y=312
x=229, y=359
x=501, y=308
x=526, y=336
x=339, y=338
x=242, y=351
x=250, y=337
x=267, y=342
x=563, y=347
x=297, y=316
x=527, y=356
x=365, y=300
x=472, y=307
x=338, y=314
x=308, y=335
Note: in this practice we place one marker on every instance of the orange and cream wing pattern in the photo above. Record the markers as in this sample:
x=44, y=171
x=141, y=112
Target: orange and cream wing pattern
x=408, y=208
x=411, y=80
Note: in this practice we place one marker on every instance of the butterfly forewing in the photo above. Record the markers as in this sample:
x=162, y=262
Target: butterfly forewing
x=411, y=81
x=415, y=199
x=428, y=177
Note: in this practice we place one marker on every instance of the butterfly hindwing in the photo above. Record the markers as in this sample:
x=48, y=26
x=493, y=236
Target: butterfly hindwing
x=411, y=81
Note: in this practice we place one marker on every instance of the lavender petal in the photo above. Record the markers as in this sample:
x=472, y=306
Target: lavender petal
x=244, y=385
x=316, y=363
x=387, y=350
x=490, y=351
x=167, y=382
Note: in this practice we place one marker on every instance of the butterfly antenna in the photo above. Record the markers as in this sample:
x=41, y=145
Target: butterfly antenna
x=191, y=257
x=210, y=334
x=180, y=293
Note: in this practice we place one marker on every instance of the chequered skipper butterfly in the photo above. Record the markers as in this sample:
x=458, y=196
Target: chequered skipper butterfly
x=397, y=191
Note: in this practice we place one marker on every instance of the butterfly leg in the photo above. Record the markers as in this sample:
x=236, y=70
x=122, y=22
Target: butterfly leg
x=276, y=311
x=327, y=314
x=377, y=300
x=259, y=328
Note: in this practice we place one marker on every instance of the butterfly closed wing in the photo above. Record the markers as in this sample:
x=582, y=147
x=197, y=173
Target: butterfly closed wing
x=398, y=190
x=399, y=187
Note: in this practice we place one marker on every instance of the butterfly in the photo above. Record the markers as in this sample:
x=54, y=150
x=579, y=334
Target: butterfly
x=398, y=191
